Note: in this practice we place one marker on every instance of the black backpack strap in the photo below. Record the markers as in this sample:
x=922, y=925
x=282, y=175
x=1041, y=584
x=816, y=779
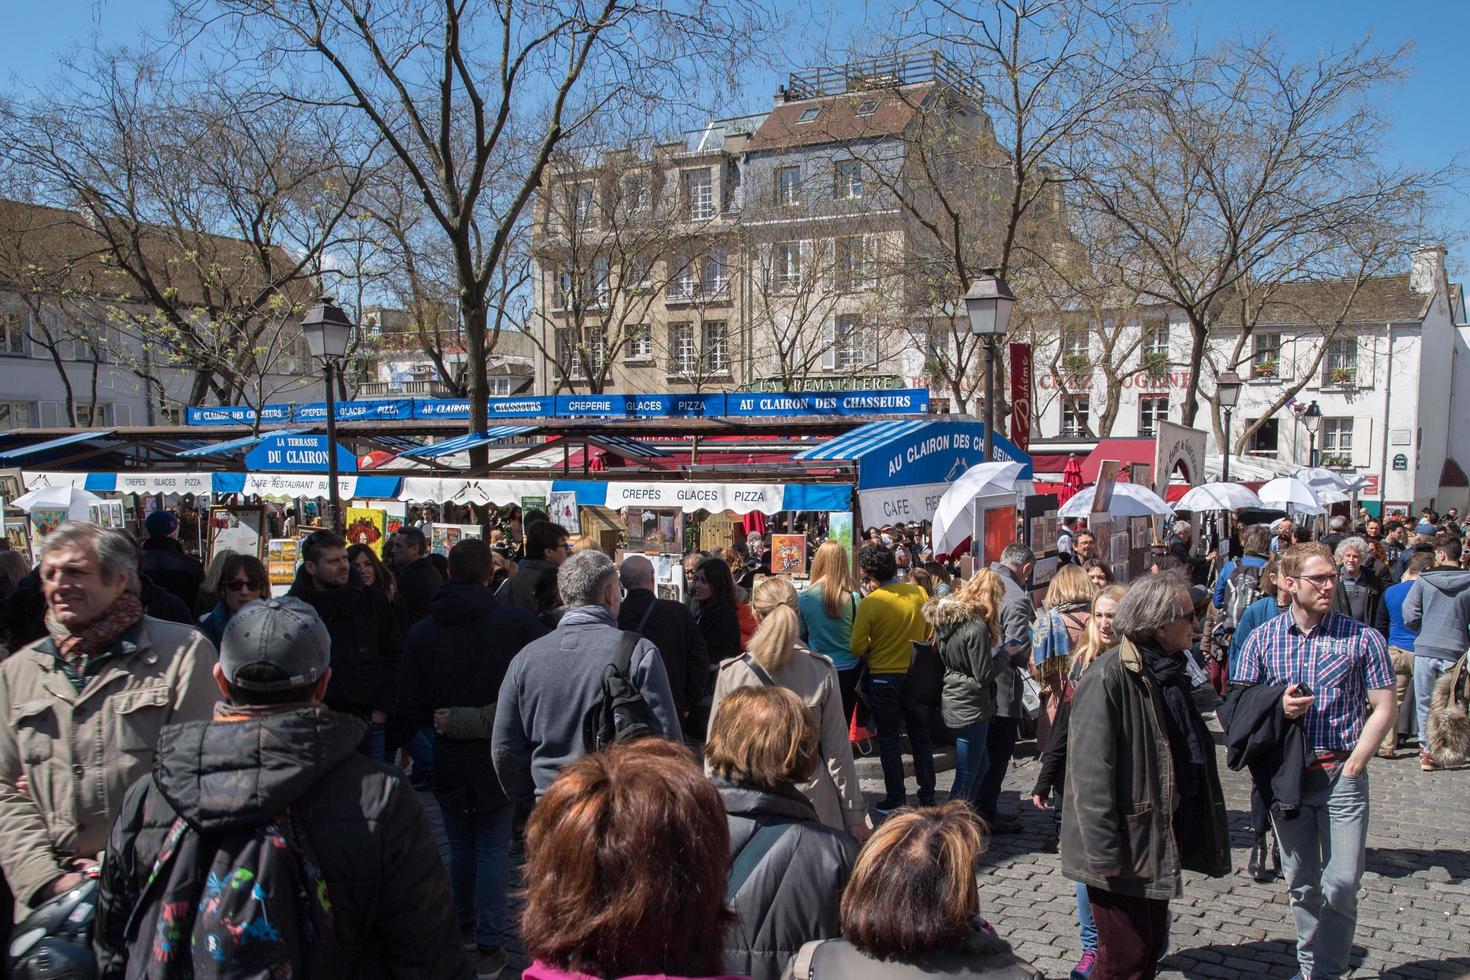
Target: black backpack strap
x=623, y=658
x=157, y=878
x=646, y=613
x=757, y=670
x=752, y=854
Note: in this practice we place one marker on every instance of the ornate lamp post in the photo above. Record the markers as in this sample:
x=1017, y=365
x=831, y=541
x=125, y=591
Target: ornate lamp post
x=328, y=329
x=989, y=303
x=1227, y=389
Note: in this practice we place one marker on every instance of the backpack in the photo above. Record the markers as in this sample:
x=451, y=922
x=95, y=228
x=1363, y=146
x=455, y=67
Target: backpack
x=1242, y=588
x=620, y=714
x=249, y=903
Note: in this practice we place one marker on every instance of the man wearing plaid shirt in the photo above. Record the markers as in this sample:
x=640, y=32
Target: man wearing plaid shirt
x=1345, y=667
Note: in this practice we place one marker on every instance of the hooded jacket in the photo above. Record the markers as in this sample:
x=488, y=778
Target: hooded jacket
x=393, y=913
x=971, y=663
x=457, y=657
x=1016, y=613
x=366, y=644
x=418, y=581
x=791, y=897
x=1438, y=607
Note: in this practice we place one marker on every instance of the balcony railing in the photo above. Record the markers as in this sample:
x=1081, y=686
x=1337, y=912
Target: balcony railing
x=404, y=389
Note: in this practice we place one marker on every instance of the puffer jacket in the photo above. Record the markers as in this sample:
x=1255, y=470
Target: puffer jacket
x=970, y=662
x=983, y=955
x=392, y=910
x=166, y=563
x=80, y=751
x=366, y=644
x=1121, y=817
x=791, y=897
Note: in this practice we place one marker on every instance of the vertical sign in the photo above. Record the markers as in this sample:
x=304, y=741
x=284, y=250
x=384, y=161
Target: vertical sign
x=1021, y=367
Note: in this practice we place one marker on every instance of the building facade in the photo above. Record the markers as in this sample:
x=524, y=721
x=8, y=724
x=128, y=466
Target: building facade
x=404, y=356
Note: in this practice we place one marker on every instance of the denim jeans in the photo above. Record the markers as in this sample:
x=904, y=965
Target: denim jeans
x=1086, y=928
x=1427, y=671
x=892, y=712
x=1323, y=850
x=971, y=762
x=374, y=744
x=479, y=865
x=420, y=749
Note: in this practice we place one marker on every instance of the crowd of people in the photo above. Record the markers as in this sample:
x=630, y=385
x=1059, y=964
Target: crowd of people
x=235, y=767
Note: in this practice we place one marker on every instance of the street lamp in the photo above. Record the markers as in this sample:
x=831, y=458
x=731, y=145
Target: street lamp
x=989, y=303
x=1312, y=419
x=1227, y=389
x=327, y=330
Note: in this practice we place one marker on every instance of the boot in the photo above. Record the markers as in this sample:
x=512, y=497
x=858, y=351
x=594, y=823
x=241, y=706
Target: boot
x=1257, y=865
x=1275, y=857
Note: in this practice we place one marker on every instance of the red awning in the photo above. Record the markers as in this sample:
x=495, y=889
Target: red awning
x=1450, y=475
x=1125, y=451
x=1048, y=462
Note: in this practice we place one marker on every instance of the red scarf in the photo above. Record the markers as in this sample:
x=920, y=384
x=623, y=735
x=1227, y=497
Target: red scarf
x=78, y=646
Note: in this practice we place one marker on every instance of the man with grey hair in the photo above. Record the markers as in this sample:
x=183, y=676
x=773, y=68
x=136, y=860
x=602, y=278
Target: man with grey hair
x=1016, y=612
x=1359, y=594
x=553, y=681
x=81, y=708
x=1336, y=531
x=1129, y=827
x=671, y=627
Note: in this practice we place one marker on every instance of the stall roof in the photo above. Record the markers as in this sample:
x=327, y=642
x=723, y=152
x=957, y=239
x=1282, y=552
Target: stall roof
x=470, y=440
x=235, y=445
x=50, y=444
x=1125, y=451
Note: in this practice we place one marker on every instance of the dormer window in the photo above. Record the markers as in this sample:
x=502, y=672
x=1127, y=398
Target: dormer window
x=867, y=108
x=809, y=115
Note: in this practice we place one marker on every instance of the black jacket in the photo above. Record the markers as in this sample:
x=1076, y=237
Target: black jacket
x=24, y=620
x=393, y=913
x=719, y=624
x=533, y=587
x=1259, y=736
x=791, y=896
x=366, y=644
x=457, y=657
x=165, y=562
x=417, y=583
x=1052, y=774
x=671, y=627
x=1364, y=606
x=162, y=604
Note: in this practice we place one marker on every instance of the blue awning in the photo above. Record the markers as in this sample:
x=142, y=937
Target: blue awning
x=235, y=445
x=915, y=452
x=630, y=448
x=862, y=440
x=51, y=444
x=469, y=440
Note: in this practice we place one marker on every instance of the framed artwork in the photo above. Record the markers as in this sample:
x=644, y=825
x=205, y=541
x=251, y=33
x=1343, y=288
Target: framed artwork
x=369, y=526
x=788, y=554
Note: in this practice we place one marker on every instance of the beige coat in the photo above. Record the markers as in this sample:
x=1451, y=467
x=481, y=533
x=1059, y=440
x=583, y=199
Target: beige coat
x=833, y=788
x=81, y=752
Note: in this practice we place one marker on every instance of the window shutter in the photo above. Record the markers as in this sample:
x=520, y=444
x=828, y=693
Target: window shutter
x=1363, y=441
x=52, y=415
x=829, y=345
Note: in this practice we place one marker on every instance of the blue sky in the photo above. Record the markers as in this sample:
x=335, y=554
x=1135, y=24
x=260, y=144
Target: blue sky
x=1423, y=111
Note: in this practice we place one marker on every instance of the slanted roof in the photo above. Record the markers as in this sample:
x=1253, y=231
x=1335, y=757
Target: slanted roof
x=838, y=121
x=1379, y=299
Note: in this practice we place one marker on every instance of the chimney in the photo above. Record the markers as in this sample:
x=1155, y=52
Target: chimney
x=1427, y=270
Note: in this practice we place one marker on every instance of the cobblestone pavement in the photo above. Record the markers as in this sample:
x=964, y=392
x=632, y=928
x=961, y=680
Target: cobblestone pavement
x=1414, y=912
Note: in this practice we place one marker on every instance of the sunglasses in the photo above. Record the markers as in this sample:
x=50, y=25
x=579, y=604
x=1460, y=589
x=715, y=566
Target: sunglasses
x=240, y=585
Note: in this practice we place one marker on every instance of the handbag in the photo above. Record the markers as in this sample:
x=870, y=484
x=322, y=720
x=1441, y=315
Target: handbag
x=923, y=684
x=1030, y=693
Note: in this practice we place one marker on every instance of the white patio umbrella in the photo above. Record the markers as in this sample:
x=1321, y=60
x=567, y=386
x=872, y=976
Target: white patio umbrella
x=1129, y=500
x=1218, y=496
x=73, y=500
x=1291, y=495
x=954, y=517
x=1319, y=478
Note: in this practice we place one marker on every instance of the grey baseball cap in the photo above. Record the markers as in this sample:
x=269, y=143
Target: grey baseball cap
x=286, y=633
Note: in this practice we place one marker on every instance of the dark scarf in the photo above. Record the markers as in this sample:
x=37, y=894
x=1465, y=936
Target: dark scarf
x=1180, y=717
x=78, y=646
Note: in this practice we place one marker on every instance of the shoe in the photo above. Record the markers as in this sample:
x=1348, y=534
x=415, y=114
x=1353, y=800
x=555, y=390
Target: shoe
x=1005, y=825
x=1275, y=858
x=1084, y=966
x=928, y=802
x=1257, y=864
x=490, y=962
x=467, y=937
x=1426, y=763
x=1051, y=845
x=888, y=804
x=1385, y=753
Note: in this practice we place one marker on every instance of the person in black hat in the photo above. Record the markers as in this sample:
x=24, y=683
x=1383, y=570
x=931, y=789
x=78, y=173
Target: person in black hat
x=165, y=563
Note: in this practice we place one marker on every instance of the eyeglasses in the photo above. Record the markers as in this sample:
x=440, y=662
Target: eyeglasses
x=1318, y=581
x=240, y=585
x=1184, y=615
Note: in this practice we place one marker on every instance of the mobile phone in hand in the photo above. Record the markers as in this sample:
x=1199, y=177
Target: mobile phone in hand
x=1301, y=690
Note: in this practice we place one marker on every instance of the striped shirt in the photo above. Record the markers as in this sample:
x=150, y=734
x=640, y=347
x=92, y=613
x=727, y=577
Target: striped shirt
x=1341, y=661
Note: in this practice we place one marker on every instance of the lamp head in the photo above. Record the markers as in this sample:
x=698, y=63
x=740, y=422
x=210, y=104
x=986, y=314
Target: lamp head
x=327, y=329
x=989, y=303
x=1227, y=388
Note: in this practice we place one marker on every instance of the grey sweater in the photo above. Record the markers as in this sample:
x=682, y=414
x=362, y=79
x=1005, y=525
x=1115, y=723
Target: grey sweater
x=549, y=687
x=1438, y=609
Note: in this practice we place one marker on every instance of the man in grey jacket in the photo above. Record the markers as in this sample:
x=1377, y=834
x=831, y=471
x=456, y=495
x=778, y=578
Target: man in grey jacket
x=1438, y=608
x=554, y=680
x=1016, y=611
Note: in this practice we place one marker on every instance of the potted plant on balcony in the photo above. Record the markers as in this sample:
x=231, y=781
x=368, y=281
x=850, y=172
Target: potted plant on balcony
x=1337, y=462
x=1342, y=375
x=1076, y=364
x=1155, y=363
x=1264, y=368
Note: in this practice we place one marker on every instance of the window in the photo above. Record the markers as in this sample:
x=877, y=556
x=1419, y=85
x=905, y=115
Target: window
x=642, y=273
x=169, y=414
x=561, y=287
x=1075, y=409
x=1266, y=355
x=570, y=356
x=809, y=114
x=854, y=261
x=699, y=194
x=1341, y=362
x=88, y=415
x=849, y=180
x=12, y=332
x=866, y=107
x=715, y=347
x=14, y=415
x=1337, y=439
x=640, y=343
x=1074, y=342
x=599, y=286
x=788, y=186
x=714, y=276
x=89, y=344
x=1266, y=440
x=498, y=386
x=582, y=204
x=1152, y=409
x=852, y=348
x=1156, y=338
x=568, y=359
x=786, y=266
x=683, y=359
x=635, y=193
x=682, y=282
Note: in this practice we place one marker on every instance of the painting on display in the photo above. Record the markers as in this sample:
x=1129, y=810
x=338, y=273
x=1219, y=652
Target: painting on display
x=839, y=529
x=397, y=513
x=443, y=537
x=280, y=560
x=15, y=537
x=788, y=554
x=562, y=509
x=533, y=503
x=106, y=513
x=238, y=529
x=44, y=520
x=367, y=525
x=656, y=529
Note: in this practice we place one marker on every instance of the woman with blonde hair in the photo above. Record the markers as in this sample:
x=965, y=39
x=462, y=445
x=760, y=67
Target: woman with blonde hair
x=775, y=657
x=826, y=608
x=1058, y=628
x=967, y=632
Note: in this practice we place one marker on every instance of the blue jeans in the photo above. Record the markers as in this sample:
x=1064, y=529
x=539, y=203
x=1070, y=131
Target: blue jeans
x=892, y=712
x=1427, y=671
x=479, y=866
x=374, y=744
x=1323, y=851
x=1086, y=928
x=971, y=762
x=420, y=749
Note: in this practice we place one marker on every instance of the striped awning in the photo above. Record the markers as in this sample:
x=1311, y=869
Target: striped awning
x=235, y=445
x=469, y=440
x=863, y=439
x=42, y=447
x=629, y=448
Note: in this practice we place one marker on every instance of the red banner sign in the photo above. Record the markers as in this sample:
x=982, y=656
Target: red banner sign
x=1021, y=367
